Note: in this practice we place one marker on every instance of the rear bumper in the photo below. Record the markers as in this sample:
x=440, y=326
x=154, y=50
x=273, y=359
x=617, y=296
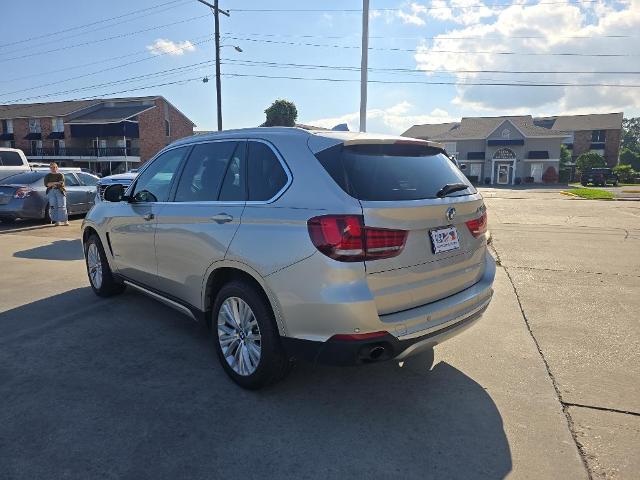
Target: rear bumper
x=343, y=353
x=18, y=208
x=409, y=332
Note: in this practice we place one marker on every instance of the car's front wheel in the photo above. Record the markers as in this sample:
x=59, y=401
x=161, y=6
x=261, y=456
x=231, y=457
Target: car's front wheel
x=246, y=338
x=101, y=278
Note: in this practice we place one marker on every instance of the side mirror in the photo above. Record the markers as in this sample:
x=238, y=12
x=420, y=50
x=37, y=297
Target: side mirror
x=463, y=166
x=114, y=193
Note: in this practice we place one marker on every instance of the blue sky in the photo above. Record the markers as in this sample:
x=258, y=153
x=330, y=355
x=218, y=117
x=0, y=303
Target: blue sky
x=423, y=32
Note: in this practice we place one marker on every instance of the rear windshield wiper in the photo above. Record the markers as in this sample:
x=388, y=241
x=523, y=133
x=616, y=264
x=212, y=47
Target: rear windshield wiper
x=450, y=188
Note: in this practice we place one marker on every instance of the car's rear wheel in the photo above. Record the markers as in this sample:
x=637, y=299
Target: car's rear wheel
x=101, y=278
x=246, y=338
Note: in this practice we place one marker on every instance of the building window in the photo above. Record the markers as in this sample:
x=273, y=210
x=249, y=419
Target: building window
x=36, y=146
x=598, y=136
x=7, y=126
x=167, y=128
x=34, y=125
x=57, y=125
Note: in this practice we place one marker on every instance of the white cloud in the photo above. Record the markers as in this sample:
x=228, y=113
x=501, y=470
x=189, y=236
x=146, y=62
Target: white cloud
x=163, y=46
x=395, y=119
x=465, y=12
x=415, y=15
x=552, y=25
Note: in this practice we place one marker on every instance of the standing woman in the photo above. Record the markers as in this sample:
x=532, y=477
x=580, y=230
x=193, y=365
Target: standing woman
x=54, y=181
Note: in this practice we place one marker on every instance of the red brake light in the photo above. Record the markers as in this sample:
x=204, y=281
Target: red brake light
x=22, y=192
x=345, y=238
x=358, y=336
x=478, y=226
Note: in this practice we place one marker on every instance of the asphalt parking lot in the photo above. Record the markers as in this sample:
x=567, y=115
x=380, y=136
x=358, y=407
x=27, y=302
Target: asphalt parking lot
x=546, y=385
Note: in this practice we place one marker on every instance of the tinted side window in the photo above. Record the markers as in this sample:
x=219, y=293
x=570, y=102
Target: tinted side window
x=70, y=180
x=200, y=181
x=10, y=159
x=154, y=183
x=87, y=179
x=234, y=187
x=266, y=175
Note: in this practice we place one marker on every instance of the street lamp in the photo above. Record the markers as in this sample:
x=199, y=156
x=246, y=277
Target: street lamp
x=235, y=47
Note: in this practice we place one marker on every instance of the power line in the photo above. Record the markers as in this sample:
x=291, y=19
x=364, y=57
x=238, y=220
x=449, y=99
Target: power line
x=51, y=34
x=123, y=35
x=95, y=29
x=476, y=52
x=356, y=10
x=503, y=84
x=437, y=37
x=408, y=70
x=108, y=69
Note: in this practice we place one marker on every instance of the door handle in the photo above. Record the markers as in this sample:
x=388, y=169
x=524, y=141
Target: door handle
x=222, y=218
x=149, y=216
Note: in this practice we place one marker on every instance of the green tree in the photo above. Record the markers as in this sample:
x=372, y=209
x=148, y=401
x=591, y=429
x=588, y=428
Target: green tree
x=626, y=174
x=629, y=157
x=281, y=113
x=631, y=134
x=589, y=160
x=565, y=158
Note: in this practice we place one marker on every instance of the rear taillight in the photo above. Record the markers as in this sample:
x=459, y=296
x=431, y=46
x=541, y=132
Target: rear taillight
x=22, y=192
x=478, y=226
x=345, y=238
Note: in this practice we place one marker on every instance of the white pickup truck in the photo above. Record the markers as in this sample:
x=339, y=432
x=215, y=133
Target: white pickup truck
x=12, y=161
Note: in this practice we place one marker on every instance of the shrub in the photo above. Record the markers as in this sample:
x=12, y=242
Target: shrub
x=625, y=173
x=589, y=160
x=630, y=157
x=550, y=175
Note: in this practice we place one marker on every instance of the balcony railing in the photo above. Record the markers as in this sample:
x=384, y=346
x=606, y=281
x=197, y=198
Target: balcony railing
x=86, y=152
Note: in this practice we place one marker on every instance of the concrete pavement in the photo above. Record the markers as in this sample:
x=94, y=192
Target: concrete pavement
x=128, y=388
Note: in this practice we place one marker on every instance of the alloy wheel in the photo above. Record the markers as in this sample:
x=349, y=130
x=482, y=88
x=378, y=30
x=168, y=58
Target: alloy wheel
x=239, y=336
x=94, y=264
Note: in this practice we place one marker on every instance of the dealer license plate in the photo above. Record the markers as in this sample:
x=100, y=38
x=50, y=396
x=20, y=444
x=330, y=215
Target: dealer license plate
x=444, y=239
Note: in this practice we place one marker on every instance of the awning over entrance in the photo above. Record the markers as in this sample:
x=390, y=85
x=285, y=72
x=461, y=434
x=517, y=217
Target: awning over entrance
x=538, y=155
x=56, y=136
x=475, y=156
x=6, y=136
x=33, y=136
x=126, y=129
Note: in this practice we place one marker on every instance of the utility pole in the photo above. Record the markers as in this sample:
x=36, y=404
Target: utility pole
x=364, y=65
x=216, y=16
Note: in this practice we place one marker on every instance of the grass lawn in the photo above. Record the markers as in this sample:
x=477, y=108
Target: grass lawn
x=592, y=193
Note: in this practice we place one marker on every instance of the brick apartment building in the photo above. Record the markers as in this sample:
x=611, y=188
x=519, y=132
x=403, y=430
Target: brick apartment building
x=103, y=135
x=599, y=133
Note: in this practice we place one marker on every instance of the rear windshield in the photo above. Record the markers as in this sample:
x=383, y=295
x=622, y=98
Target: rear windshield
x=387, y=172
x=25, y=178
x=10, y=159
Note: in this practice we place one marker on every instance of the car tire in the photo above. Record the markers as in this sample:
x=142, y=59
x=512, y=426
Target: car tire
x=242, y=321
x=100, y=276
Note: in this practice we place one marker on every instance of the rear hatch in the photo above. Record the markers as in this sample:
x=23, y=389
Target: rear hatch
x=399, y=186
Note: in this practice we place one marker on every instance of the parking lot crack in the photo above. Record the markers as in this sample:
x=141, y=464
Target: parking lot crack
x=563, y=405
x=603, y=409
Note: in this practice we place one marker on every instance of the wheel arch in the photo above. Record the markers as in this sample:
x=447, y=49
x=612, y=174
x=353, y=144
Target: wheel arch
x=221, y=273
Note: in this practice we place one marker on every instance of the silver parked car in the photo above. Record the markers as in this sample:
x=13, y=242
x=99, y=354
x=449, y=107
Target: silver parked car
x=337, y=247
x=23, y=195
x=123, y=179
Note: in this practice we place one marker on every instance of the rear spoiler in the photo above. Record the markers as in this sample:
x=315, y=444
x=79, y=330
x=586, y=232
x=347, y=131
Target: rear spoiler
x=392, y=141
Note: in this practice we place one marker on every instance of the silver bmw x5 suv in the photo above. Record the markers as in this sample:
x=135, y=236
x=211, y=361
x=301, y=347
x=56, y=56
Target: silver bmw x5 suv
x=335, y=247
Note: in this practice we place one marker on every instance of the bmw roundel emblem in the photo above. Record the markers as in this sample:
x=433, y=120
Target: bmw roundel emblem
x=451, y=213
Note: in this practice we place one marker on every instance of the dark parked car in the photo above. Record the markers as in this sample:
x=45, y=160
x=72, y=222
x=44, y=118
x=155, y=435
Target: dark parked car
x=24, y=195
x=599, y=176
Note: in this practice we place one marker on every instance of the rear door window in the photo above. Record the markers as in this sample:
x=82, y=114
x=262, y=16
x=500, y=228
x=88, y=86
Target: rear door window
x=266, y=174
x=392, y=172
x=87, y=179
